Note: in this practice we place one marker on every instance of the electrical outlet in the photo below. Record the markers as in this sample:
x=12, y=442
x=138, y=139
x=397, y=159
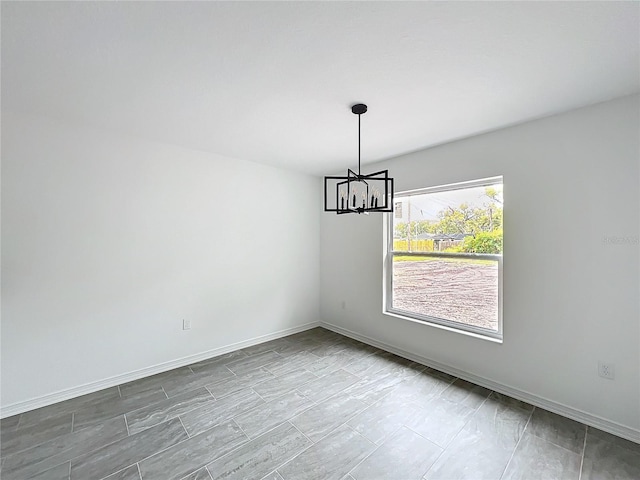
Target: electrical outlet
x=607, y=370
x=186, y=324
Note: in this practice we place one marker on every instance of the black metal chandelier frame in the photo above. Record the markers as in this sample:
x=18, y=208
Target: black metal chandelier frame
x=358, y=193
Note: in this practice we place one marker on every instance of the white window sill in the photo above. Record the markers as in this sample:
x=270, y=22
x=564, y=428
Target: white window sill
x=444, y=327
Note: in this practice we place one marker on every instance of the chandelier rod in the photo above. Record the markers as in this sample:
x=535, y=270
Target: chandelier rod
x=359, y=115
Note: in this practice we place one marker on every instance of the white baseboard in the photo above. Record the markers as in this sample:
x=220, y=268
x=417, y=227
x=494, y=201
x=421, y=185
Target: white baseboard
x=49, y=399
x=544, y=403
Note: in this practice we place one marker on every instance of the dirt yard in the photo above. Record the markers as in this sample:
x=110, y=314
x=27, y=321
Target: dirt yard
x=461, y=291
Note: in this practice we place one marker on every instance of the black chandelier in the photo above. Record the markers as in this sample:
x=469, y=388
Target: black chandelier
x=357, y=193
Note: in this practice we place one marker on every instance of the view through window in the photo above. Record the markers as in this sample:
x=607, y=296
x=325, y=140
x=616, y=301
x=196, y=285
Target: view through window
x=444, y=261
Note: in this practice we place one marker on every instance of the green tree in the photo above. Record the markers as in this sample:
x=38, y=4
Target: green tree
x=417, y=227
x=494, y=195
x=483, y=224
x=400, y=230
x=483, y=242
x=472, y=220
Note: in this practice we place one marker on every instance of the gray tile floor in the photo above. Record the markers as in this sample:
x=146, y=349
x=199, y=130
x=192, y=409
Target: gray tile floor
x=314, y=405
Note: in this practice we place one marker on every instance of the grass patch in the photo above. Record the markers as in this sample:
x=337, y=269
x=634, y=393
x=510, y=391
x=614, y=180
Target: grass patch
x=413, y=258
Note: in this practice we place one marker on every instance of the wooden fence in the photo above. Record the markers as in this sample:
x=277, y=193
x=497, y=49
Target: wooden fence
x=427, y=245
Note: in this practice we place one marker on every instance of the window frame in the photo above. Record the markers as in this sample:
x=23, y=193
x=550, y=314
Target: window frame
x=443, y=323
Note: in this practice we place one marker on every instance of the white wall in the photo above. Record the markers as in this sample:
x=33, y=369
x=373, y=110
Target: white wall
x=570, y=181
x=108, y=242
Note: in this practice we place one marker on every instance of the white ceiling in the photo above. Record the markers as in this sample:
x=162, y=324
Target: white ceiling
x=273, y=82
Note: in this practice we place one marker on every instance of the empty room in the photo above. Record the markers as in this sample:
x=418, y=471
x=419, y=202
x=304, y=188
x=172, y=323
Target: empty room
x=320, y=240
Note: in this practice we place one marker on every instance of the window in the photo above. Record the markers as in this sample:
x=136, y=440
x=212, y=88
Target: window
x=444, y=256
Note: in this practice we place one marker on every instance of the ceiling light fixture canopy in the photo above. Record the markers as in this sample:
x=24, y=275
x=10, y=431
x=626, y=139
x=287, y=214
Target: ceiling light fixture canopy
x=357, y=193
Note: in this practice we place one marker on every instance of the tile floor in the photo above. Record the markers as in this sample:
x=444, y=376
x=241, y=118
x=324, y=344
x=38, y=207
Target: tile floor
x=314, y=405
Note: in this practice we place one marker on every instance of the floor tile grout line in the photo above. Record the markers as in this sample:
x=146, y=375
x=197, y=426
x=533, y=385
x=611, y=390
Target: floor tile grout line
x=221, y=381
x=524, y=430
x=259, y=353
x=306, y=367
x=189, y=437
x=444, y=449
x=147, y=406
x=169, y=417
x=474, y=413
x=377, y=447
x=391, y=390
x=212, y=395
x=262, y=365
x=236, y=448
x=76, y=455
x=242, y=430
x=244, y=443
x=46, y=468
x=119, y=392
x=126, y=424
x=297, y=454
x=39, y=444
x=285, y=393
x=73, y=418
x=315, y=403
x=251, y=388
x=343, y=424
x=164, y=391
x=316, y=376
x=156, y=453
x=118, y=471
x=185, y=428
x=421, y=435
x=368, y=407
x=232, y=373
x=139, y=471
x=189, y=474
x=273, y=400
x=584, y=448
x=272, y=473
x=303, y=434
x=322, y=400
x=556, y=444
x=373, y=443
x=436, y=459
